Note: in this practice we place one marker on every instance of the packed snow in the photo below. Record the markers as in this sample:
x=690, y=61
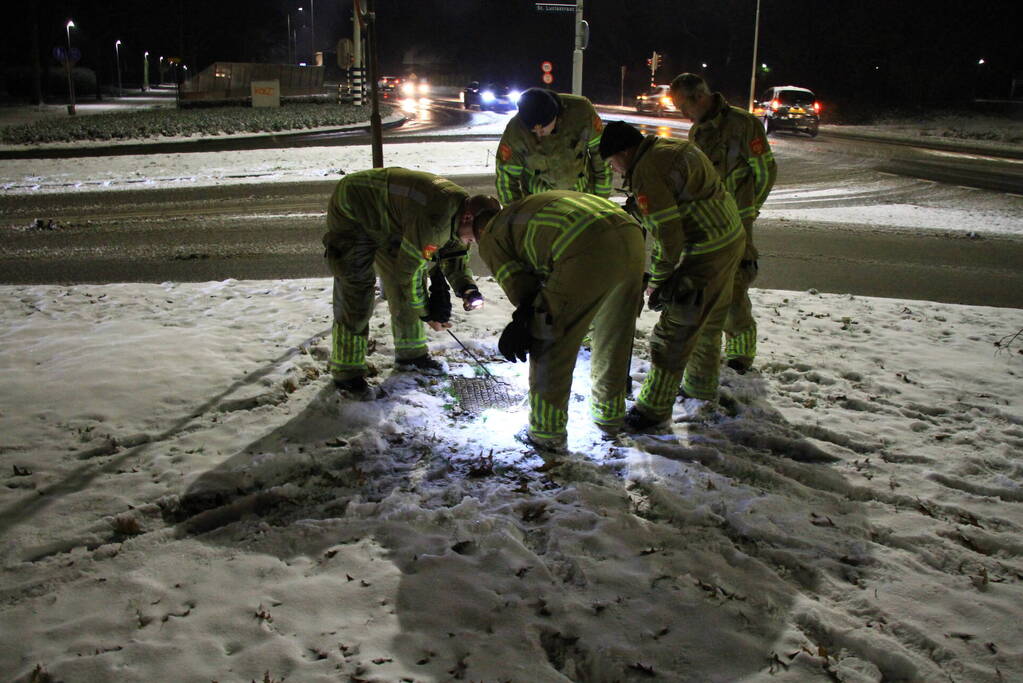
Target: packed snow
x=187, y=498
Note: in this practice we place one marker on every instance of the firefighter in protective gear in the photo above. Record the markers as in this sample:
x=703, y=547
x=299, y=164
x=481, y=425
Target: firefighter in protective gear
x=551, y=144
x=401, y=224
x=735, y=142
x=698, y=241
x=567, y=260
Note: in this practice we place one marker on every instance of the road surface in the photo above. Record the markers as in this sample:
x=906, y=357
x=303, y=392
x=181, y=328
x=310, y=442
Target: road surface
x=274, y=230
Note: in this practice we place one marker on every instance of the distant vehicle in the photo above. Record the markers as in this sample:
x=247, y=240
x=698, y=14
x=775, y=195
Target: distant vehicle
x=789, y=107
x=415, y=87
x=657, y=101
x=492, y=96
x=389, y=87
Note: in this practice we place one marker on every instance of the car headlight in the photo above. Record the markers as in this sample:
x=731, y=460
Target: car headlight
x=424, y=88
x=513, y=96
x=408, y=89
x=488, y=96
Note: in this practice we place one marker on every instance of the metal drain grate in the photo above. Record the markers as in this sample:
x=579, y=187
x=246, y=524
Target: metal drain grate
x=476, y=394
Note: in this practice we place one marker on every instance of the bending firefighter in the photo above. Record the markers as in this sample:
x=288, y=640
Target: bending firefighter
x=400, y=224
x=698, y=242
x=735, y=142
x=567, y=260
x=551, y=144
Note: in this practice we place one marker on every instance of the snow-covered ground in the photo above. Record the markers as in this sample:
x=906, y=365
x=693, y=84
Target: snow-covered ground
x=187, y=498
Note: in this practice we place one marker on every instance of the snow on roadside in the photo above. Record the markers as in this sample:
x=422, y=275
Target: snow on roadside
x=185, y=492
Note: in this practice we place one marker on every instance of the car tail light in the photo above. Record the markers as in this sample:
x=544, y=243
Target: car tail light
x=817, y=107
x=775, y=104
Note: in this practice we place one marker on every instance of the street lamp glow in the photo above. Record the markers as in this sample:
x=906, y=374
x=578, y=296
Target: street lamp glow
x=117, y=49
x=69, y=25
x=704, y=65
x=981, y=61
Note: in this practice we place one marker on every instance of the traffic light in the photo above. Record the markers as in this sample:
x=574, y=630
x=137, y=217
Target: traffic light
x=655, y=62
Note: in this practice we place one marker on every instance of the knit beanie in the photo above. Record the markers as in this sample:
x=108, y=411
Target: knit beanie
x=538, y=107
x=617, y=136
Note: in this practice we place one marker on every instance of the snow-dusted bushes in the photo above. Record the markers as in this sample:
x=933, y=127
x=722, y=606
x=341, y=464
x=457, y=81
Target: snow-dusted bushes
x=156, y=123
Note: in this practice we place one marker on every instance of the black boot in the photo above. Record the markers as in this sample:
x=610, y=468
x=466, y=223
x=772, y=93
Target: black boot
x=424, y=364
x=356, y=387
x=740, y=365
x=637, y=421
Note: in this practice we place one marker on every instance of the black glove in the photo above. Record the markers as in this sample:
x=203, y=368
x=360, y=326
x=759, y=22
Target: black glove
x=681, y=290
x=516, y=339
x=471, y=297
x=751, y=269
x=660, y=297
x=632, y=208
x=438, y=306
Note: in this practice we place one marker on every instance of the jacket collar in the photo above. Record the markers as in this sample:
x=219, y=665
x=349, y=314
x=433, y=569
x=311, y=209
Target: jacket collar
x=642, y=149
x=718, y=108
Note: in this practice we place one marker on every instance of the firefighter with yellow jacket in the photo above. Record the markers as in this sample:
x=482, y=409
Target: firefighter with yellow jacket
x=400, y=225
x=735, y=142
x=698, y=241
x=567, y=260
x=551, y=144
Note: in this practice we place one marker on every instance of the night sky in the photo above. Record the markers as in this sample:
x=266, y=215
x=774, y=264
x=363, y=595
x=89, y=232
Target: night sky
x=851, y=53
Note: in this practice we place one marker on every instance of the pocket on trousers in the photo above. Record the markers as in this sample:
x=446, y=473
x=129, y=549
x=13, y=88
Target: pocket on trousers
x=688, y=306
x=544, y=323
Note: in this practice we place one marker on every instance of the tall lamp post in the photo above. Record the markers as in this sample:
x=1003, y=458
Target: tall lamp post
x=312, y=29
x=67, y=66
x=753, y=73
x=159, y=67
x=145, y=71
x=117, y=51
x=290, y=60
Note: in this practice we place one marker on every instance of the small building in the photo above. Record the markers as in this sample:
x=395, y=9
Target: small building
x=232, y=81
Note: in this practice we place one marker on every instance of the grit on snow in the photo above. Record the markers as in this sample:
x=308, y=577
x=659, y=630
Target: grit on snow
x=187, y=498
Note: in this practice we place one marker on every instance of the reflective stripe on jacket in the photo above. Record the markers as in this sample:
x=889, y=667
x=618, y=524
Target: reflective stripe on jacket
x=567, y=159
x=735, y=142
x=682, y=202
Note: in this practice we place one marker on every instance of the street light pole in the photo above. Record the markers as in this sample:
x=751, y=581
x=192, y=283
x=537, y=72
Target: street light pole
x=145, y=71
x=67, y=65
x=290, y=60
x=117, y=50
x=376, y=129
x=312, y=29
x=753, y=73
x=582, y=37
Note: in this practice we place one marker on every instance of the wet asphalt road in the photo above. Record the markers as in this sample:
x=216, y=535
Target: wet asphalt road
x=271, y=231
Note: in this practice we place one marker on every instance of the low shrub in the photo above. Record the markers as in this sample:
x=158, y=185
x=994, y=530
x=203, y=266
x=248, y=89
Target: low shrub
x=156, y=123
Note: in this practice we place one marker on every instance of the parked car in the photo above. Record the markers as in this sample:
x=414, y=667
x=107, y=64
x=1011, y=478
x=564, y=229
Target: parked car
x=789, y=107
x=490, y=95
x=389, y=87
x=657, y=101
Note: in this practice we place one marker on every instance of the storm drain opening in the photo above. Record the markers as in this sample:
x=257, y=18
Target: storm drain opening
x=476, y=394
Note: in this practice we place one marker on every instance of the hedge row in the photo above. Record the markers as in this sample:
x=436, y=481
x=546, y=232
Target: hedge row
x=155, y=123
